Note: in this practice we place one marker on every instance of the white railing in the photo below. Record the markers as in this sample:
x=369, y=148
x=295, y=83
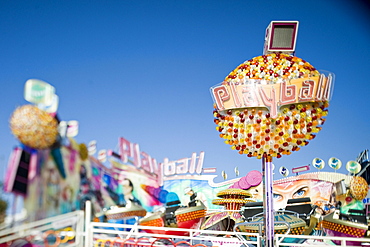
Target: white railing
x=318, y=241
x=109, y=234
x=100, y=234
x=68, y=229
x=61, y=230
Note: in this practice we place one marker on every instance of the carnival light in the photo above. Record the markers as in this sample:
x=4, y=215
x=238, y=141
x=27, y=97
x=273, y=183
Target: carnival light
x=272, y=104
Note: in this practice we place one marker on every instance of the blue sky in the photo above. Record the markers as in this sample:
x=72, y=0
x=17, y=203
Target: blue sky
x=142, y=70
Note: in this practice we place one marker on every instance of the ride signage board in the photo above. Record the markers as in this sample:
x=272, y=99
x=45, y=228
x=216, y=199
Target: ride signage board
x=130, y=153
x=300, y=169
x=263, y=93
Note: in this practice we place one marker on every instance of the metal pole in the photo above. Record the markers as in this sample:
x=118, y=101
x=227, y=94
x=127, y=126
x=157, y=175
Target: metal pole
x=268, y=200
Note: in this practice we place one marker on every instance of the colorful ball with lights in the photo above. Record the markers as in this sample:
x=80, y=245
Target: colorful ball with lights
x=358, y=188
x=33, y=127
x=272, y=104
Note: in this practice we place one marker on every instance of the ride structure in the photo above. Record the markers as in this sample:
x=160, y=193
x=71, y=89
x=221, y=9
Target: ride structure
x=269, y=106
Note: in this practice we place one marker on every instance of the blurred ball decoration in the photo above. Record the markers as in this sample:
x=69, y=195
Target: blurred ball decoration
x=272, y=104
x=102, y=155
x=318, y=163
x=33, y=127
x=335, y=163
x=358, y=188
x=252, y=179
x=84, y=154
x=284, y=171
x=92, y=147
x=353, y=167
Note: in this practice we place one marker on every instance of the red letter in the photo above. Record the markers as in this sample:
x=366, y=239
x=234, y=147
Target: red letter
x=306, y=92
x=235, y=95
x=269, y=102
x=250, y=96
x=220, y=95
x=287, y=93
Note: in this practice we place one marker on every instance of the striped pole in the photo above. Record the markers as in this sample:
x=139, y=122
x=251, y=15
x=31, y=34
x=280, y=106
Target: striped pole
x=268, y=198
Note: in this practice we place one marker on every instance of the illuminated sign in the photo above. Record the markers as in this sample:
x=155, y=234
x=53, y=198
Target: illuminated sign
x=263, y=93
x=300, y=169
x=130, y=153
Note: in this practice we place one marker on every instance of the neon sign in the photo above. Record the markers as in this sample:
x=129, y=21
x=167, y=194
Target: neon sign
x=262, y=93
x=130, y=153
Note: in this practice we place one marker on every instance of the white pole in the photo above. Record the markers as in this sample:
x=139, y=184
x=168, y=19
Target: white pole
x=87, y=224
x=14, y=210
x=268, y=200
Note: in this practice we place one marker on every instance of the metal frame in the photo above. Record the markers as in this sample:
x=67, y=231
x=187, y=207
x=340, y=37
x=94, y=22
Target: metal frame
x=270, y=34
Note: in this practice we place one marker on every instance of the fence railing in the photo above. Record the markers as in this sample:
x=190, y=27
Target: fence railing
x=110, y=234
x=318, y=241
x=77, y=229
x=61, y=230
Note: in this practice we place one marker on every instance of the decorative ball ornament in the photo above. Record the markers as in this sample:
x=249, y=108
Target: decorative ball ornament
x=92, y=147
x=84, y=153
x=318, y=163
x=102, y=155
x=335, y=163
x=272, y=104
x=353, y=167
x=283, y=171
x=252, y=179
x=358, y=188
x=348, y=199
x=33, y=127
